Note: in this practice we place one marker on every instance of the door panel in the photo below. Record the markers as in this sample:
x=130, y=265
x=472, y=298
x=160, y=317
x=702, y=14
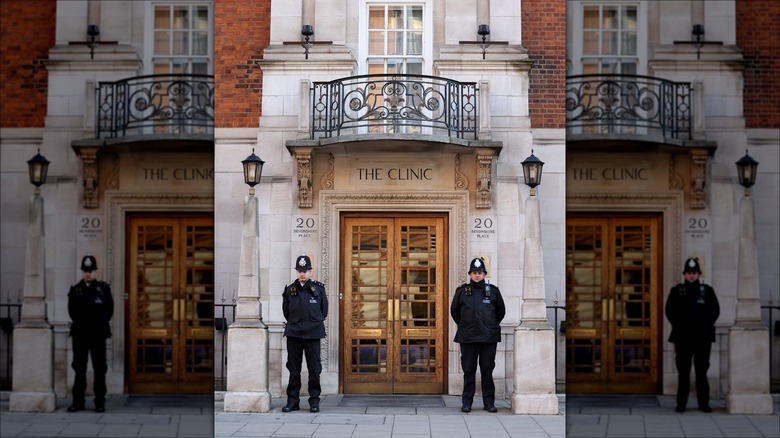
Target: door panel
x=393, y=316
x=613, y=304
x=170, y=312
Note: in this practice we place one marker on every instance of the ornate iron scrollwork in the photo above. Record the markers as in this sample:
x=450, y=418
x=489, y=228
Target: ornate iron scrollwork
x=156, y=104
x=394, y=104
x=625, y=104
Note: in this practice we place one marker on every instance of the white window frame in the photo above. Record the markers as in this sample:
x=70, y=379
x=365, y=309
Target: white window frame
x=149, y=55
x=427, y=38
x=578, y=8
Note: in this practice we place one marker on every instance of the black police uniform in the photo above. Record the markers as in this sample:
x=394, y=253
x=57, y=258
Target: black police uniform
x=477, y=309
x=692, y=309
x=90, y=307
x=305, y=307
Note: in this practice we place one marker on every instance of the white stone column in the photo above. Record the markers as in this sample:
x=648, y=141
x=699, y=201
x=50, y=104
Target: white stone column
x=534, y=355
x=33, y=350
x=247, y=349
x=748, y=376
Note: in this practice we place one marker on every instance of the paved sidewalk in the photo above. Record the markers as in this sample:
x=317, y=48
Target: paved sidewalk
x=360, y=422
x=125, y=416
x=654, y=417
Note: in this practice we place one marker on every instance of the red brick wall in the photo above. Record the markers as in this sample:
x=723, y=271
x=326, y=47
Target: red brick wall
x=26, y=35
x=544, y=34
x=242, y=29
x=758, y=35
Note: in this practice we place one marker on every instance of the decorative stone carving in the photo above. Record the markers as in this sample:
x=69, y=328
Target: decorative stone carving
x=698, y=179
x=675, y=180
x=326, y=183
x=461, y=182
x=303, y=158
x=484, y=177
x=89, y=174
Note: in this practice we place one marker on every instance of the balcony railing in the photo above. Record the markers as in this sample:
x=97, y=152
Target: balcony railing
x=410, y=104
x=623, y=104
x=156, y=104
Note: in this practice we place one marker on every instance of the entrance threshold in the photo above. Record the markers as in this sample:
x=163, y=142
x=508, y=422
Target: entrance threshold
x=408, y=401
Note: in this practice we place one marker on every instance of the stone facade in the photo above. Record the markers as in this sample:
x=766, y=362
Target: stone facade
x=692, y=182
x=314, y=181
x=93, y=184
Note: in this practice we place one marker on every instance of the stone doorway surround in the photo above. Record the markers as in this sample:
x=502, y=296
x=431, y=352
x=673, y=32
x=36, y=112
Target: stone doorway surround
x=670, y=205
x=117, y=205
x=333, y=203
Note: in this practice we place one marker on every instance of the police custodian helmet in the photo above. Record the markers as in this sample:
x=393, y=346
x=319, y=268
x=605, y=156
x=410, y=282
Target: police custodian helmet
x=692, y=265
x=88, y=263
x=477, y=265
x=303, y=263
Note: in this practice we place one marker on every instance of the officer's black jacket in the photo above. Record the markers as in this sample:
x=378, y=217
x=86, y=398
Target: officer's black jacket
x=692, y=308
x=90, y=308
x=477, y=313
x=305, y=308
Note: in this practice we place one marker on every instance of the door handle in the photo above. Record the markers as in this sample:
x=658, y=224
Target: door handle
x=390, y=310
x=611, y=309
x=604, y=310
x=175, y=309
x=397, y=312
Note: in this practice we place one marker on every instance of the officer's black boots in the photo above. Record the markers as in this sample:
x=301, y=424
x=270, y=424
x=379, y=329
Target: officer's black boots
x=290, y=407
x=75, y=408
x=100, y=409
x=490, y=408
x=314, y=408
x=465, y=408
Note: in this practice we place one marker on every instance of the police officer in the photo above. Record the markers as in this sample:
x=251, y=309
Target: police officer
x=91, y=307
x=477, y=309
x=692, y=309
x=305, y=307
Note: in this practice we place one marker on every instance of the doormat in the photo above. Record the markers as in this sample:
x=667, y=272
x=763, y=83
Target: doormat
x=612, y=401
x=188, y=401
x=391, y=401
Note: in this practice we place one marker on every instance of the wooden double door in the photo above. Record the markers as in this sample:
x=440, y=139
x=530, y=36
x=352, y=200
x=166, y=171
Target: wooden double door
x=170, y=311
x=613, y=303
x=394, y=305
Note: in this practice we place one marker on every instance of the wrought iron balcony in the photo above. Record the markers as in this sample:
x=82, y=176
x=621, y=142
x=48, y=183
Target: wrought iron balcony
x=623, y=104
x=411, y=104
x=156, y=104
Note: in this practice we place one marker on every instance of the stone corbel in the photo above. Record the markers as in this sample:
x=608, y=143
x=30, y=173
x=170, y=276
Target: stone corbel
x=89, y=174
x=484, y=178
x=304, y=174
x=698, y=178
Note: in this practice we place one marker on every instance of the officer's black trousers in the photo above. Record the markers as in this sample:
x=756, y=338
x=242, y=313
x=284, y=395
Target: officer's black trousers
x=296, y=348
x=699, y=354
x=485, y=355
x=84, y=346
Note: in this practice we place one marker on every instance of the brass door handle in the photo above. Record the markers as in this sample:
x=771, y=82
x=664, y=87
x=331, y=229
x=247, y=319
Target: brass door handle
x=175, y=304
x=397, y=309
